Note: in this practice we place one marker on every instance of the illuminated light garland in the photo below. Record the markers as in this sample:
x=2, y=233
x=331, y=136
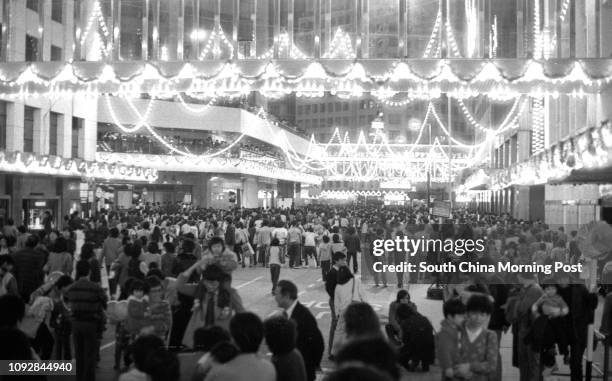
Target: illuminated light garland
x=195, y=110
x=213, y=44
x=433, y=39
x=283, y=49
x=141, y=121
x=538, y=126
x=468, y=115
x=564, y=9
x=20, y=162
x=538, y=37
x=451, y=38
x=340, y=47
x=97, y=16
x=445, y=130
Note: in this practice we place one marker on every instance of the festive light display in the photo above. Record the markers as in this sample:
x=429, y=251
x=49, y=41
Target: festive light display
x=20, y=162
x=341, y=46
x=471, y=13
x=538, y=133
x=435, y=38
x=213, y=47
x=346, y=194
x=308, y=78
x=587, y=150
x=96, y=17
x=284, y=50
x=209, y=164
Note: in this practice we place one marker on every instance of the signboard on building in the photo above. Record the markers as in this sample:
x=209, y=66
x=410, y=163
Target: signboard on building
x=441, y=209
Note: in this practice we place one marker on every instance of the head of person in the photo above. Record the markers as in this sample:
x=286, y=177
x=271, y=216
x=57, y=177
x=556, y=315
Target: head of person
x=153, y=248
x=371, y=351
x=336, y=238
x=155, y=287
x=274, y=242
x=478, y=311
x=212, y=277
x=205, y=338
x=286, y=293
x=142, y=348
x=13, y=311
x=361, y=320
x=224, y=351
x=526, y=279
x=163, y=365
x=454, y=311
x=113, y=232
x=60, y=245
x=169, y=247
x=32, y=241
x=247, y=331
x=138, y=288
x=281, y=335
x=188, y=246
x=402, y=297
x=87, y=251
x=63, y=283
x=325, y=239
x=344, y=275
x=357, y=372
x=339, y=259
x=216, y=245
x=6, y=264
x=83, y=269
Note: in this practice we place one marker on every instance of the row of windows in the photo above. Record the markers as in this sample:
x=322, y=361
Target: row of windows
x=57, y=11
x=29, y=114
x=32, y=52
x=334, y=107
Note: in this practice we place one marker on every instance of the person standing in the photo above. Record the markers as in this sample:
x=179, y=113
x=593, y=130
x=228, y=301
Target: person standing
x=263, y=237
x=29, y=264
x=275, y=263
x=348, y=290
x=309, y=338
x=110, y=251
x=582, y=305
x=338, y=260
x=87, y=302
x=353, y=246
x=281, y=337
x=294, y=240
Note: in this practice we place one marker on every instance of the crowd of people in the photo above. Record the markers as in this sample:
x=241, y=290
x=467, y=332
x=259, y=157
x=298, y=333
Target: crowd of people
x=170, y=289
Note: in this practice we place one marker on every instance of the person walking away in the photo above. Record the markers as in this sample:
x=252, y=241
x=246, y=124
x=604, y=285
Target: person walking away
x=353, y=246
x=347, y=291
x=338, y=260
x=281, y=337
x=28, y=269
x=310, y=249
x=275, y=263
x=325, y=254
x=87, y=302
x=294, y=240
x=263, y=238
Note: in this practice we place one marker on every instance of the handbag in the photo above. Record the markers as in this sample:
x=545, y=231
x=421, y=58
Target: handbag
x=353, y=300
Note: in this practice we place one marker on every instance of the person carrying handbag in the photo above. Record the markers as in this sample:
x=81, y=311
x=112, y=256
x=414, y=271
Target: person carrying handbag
x=348, y=290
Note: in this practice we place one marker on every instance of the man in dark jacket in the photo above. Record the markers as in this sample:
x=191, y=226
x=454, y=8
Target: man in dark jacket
x=582, y=305
x=353, y=246
x=309, y=338
x=338, y=259
x=29, y=263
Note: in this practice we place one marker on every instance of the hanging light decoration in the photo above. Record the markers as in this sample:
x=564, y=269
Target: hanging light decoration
x=341, y=46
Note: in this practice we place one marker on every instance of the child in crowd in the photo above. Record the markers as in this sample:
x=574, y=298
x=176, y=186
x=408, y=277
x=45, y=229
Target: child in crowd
x=160, y=314
x=274, y=262
x=448, y=338
x=138, y=320
x=325, y=252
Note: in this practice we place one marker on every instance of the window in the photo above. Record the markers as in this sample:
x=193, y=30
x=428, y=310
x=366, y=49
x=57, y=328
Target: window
x=56, y=10
x=337, y=120
x=56, y=53
x=330, y=107
x=345, y=121
x=77, y=125
x=3, y=124
x=322, y=107
x=300, y=110
x=32, y=4
x=315, y=108
x=307, y=124
x=338, y=106
x=53, y=123
x=395, y=118
x=345, y=106
x=31, y=50
x=307, y=109
x=315, y=123
x=28, y=129
x=330, y=122
x=322, y=122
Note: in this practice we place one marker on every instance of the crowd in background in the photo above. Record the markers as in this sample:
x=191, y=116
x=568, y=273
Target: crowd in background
x=170, y=288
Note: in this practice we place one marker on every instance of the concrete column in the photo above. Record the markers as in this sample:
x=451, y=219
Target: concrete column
x=18, y=31
x=87, y=109
x=46, y=36
x=201, y=190
x=64, y=132
x=249, y=192
x=41, y=131
x=14, y=126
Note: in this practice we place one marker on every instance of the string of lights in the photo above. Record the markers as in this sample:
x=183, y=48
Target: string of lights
x=96, y=16
x=341, y=46
x=215, y=39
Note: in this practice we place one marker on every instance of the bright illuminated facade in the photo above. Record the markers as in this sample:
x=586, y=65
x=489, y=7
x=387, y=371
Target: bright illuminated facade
x=315, y=66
